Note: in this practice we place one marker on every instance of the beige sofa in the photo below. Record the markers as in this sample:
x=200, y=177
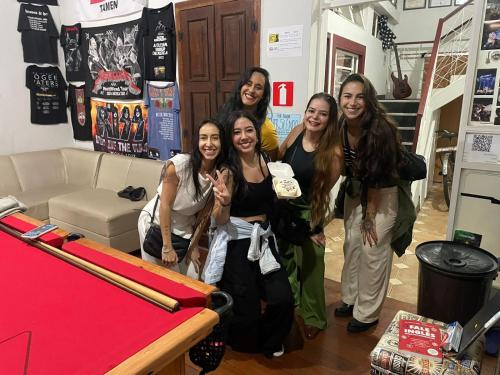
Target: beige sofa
x=77, y=190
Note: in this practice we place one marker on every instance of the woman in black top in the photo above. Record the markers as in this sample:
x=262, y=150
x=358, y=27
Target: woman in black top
x=305, y=149
x=243, y=202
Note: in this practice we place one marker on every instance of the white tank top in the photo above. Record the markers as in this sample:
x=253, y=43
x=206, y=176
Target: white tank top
x=185, y=208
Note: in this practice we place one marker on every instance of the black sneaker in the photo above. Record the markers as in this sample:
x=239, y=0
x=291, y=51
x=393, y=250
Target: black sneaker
x=344, y=310
x=356, y=326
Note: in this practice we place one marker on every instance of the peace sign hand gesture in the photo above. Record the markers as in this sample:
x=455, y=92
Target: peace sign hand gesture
x=221, y=192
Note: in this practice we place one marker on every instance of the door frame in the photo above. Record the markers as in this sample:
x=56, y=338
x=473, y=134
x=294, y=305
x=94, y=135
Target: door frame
x=192, y=4
x=338, y=42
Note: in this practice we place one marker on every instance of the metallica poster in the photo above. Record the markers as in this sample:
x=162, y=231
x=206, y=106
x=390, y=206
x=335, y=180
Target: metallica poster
x=112, y=55
x=120, y=128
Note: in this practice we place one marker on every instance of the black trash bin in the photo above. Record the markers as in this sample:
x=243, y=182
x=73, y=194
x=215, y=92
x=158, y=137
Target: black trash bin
x=454, y=280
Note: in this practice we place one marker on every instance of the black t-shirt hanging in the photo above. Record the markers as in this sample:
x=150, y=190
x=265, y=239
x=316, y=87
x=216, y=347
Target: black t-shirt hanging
x=80, y=113
x=159, y=43
x=113, y=60
x=48, y=99
x=71, y=37
x=46, y=2
x=39, y=34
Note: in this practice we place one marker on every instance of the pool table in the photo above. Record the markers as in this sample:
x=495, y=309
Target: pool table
x=58, y=319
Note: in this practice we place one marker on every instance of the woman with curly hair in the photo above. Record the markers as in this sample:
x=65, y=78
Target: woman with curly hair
x=310, y=151
x=252, y=94
x=371, y=155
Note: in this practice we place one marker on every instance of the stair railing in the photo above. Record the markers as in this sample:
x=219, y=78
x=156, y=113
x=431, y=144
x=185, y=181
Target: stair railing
x=448, y=58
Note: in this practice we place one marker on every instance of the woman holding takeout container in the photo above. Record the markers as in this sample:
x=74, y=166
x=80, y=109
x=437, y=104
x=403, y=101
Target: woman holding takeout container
x=308, y=149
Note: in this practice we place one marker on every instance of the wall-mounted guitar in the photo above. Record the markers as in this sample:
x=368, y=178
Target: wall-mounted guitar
x=401, y=88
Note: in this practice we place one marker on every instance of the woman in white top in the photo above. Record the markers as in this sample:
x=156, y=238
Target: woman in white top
x=184, y=192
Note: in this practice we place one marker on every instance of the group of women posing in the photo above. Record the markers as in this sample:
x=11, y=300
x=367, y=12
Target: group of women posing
x=227, y=171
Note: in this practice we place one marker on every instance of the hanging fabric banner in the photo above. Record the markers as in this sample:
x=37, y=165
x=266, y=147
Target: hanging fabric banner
x=120, y=128
x=113, y=63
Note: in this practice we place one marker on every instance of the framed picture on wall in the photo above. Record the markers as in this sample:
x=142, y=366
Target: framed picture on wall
x=439, y=3
x=414, y=4
x=460, y=2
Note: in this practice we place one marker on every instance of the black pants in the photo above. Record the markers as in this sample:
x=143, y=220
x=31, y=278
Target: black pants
x=249, y=329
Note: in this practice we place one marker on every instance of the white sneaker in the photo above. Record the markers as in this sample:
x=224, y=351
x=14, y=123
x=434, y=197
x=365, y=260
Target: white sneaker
x=280, y=352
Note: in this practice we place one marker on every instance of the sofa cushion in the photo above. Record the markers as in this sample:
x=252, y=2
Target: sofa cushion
x=97, y=210
x=81, y=166
x=39, y=169
x=145, y=173
x=36, y=200
x=116, y=172
x=9, y=184
x=113, y=171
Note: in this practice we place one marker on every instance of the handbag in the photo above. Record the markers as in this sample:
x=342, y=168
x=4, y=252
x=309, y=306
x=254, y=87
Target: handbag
x=413, y=166
x=153, y=242
x=287, y=225
x=338, y=211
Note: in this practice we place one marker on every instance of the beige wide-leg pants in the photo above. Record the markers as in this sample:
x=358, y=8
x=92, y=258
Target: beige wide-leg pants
x=365, y=276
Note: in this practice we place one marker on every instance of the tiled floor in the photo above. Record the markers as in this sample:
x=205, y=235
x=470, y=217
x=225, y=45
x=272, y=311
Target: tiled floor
x=430, y=225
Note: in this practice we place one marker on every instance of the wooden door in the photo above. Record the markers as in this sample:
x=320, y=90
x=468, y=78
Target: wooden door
x=217, y=41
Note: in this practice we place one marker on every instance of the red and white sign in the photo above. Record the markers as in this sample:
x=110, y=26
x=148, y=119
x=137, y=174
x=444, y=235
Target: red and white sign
x=282, y=94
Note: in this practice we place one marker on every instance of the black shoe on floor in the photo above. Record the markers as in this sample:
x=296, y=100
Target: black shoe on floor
x=344, y=310
x=356, y=326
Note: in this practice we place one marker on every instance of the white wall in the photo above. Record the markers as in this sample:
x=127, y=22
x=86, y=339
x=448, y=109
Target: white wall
x=18, y=134
x=296, y=69
x=375, y=65
x=408, y=30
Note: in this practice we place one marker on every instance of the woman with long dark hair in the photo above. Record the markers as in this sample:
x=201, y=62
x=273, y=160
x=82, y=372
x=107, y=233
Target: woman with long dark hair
x=308, y=149
x=183, y=193
x=253, y=93
x=371, y=155
x=243, y=258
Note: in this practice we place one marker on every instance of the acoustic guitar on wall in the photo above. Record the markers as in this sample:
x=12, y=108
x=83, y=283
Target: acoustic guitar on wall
x=401, y=88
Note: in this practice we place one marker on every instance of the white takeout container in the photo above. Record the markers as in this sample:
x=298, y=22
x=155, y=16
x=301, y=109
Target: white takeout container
x=281, y=171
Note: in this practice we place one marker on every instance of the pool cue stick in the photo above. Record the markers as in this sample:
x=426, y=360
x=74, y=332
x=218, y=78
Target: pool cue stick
x=139, y=290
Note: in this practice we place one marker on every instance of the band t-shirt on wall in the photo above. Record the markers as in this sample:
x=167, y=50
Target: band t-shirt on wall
x=114, y=67
x=80, y=113
x=120, y=128
x=71, y=37
x=46, y=2
x=159, y=43
x=164, y=135
x=93, y=10
x=39, y=34
x=47, y=92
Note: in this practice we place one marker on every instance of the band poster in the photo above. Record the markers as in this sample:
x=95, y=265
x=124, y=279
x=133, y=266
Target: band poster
x=113, y=68
x=119, y=128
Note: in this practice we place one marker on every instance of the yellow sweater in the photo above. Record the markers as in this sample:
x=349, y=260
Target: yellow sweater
x=268, y=136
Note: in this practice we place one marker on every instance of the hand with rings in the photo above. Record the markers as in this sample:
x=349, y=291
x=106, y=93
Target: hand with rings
x=169, y=256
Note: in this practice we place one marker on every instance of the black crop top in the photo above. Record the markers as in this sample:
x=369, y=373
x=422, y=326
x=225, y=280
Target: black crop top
x=302, y=163
x=257, y=199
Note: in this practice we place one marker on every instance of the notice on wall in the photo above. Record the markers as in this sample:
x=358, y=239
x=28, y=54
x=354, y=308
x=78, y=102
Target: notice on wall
x=482, y=148
x=285, y=41
x=284, y=123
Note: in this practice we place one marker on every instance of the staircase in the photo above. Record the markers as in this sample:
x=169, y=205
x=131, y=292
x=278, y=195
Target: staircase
x=404, y=112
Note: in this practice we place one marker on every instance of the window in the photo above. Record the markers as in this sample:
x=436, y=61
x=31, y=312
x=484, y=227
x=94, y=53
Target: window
x=345, y=63
x=352, y=13
x=375, y=24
